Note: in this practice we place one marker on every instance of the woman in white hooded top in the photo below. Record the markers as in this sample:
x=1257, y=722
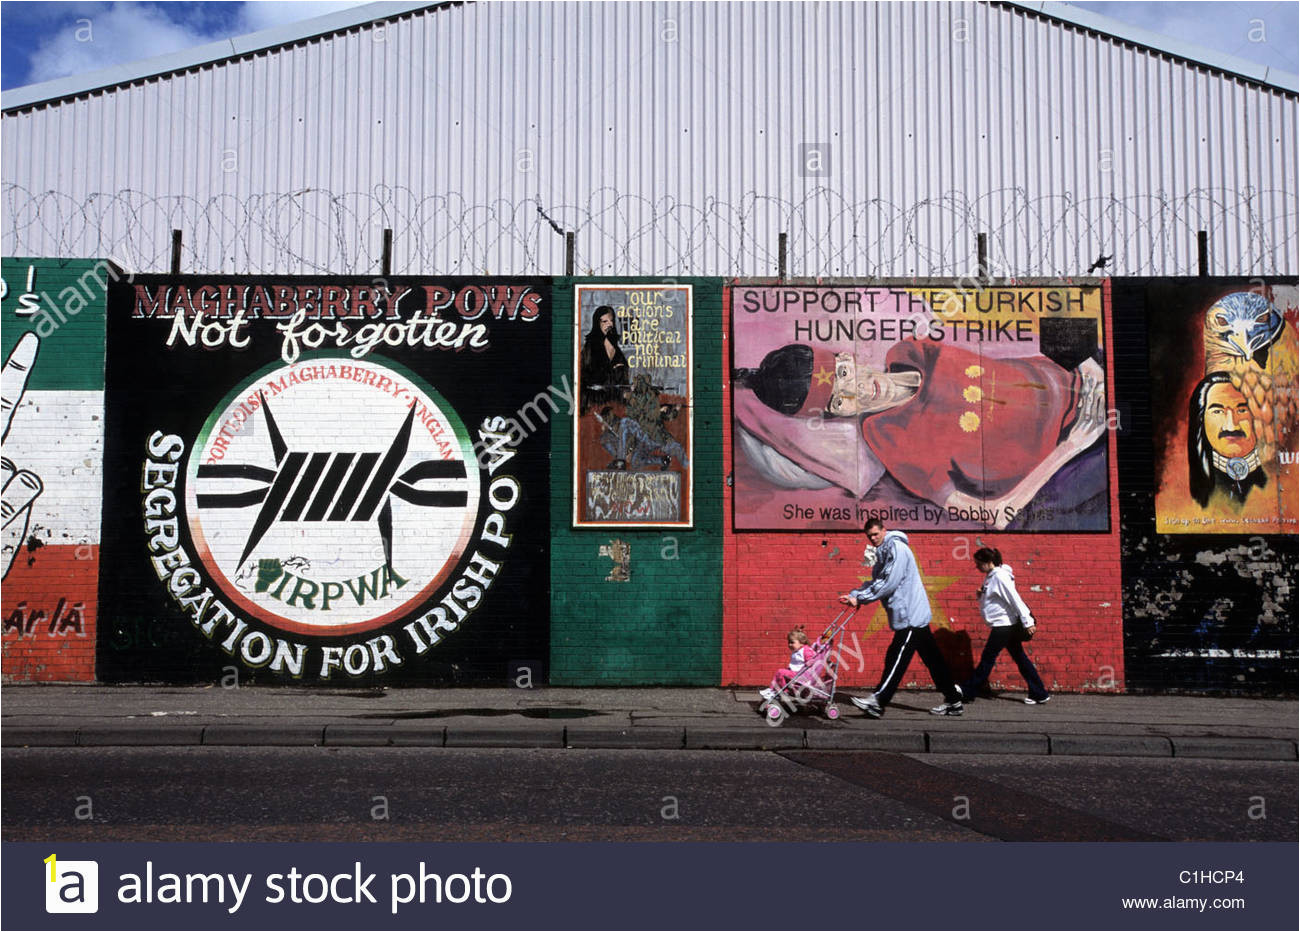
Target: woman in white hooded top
x=1010, y=625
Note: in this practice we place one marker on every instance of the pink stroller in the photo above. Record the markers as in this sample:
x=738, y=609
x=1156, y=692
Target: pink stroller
x=812, y=688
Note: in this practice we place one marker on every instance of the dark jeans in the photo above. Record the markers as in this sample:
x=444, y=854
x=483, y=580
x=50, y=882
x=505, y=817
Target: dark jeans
x=899, y=654
x=1012, y=638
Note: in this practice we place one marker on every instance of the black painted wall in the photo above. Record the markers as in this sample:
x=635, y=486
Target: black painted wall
x=1202, y=612
x=156, y=391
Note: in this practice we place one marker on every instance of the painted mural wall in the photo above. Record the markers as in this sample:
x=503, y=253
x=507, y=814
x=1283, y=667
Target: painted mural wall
x=633, y=434
x=326, y=480
x=53, y=423
x=1209, y=484
x=937, y=408
x=636, y=602
x=964, y=417
x=1224, y=419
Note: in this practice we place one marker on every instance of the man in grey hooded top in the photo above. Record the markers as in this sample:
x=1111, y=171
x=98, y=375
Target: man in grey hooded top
x=896, y=584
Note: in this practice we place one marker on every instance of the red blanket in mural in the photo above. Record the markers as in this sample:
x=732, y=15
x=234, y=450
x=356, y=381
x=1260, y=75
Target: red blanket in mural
x=977, y=425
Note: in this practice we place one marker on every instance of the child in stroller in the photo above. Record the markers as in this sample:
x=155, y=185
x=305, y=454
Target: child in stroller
x=801, y=652
x=809, y=681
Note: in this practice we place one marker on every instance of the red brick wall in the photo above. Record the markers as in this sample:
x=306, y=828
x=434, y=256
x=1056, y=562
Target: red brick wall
x=773, y=581
x=50, y=606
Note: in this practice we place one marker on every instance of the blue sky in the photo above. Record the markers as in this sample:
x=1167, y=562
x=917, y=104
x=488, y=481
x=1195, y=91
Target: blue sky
x=1262, y=33
x=43, y=41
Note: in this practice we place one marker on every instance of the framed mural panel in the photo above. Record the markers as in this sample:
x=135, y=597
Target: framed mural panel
x=327, y=480
x=633, y=434
x=930, y=407
x=1223, y=407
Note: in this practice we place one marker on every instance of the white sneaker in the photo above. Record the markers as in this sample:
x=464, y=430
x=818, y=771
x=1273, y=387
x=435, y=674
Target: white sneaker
x=948, y=708
x=868, y=705
x=1029, y=701
x=769, y=694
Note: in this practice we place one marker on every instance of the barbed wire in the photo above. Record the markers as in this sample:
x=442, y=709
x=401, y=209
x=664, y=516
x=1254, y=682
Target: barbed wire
x=313, y=231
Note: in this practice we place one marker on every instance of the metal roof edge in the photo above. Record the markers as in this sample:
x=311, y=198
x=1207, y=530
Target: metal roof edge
x=173, y=62
x=1096, y=22
x=278, y=36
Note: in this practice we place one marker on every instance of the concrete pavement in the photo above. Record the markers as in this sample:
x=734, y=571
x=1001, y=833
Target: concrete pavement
x=660, y=718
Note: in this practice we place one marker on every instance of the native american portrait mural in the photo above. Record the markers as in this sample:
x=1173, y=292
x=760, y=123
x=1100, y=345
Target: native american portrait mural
x=1224, y=379
x=929, y=407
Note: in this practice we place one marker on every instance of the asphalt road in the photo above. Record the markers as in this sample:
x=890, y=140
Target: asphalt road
x=446, y=794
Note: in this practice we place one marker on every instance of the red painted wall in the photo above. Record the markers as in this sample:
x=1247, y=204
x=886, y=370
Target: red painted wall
x=774, y=581
x=50, y=606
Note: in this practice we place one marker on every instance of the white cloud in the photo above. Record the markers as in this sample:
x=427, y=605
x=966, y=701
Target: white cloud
x=264, y=15
x=109, y=34
x=121, y=33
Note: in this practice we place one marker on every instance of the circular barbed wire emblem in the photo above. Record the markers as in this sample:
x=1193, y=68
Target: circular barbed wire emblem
x=333, y=495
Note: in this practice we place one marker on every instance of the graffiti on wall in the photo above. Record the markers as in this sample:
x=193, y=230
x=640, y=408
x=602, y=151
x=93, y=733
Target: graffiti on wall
x=928, y=407
x=1224, y=381
x=52, y=420
x=633, y=433
x=326, y=480
x=1211, y=613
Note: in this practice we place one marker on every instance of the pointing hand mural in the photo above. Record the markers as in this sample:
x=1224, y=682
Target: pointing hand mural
x=21, y=486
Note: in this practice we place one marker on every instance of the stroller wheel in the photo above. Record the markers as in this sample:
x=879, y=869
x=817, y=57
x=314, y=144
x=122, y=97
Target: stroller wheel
x=774, y=712
x=832, y=713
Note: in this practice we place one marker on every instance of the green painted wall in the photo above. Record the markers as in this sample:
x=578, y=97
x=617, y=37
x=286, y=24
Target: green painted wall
x=664, y=626
x=68, y=317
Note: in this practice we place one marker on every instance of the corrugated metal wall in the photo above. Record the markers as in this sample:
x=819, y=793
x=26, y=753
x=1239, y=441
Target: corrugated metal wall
x=671, y=138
